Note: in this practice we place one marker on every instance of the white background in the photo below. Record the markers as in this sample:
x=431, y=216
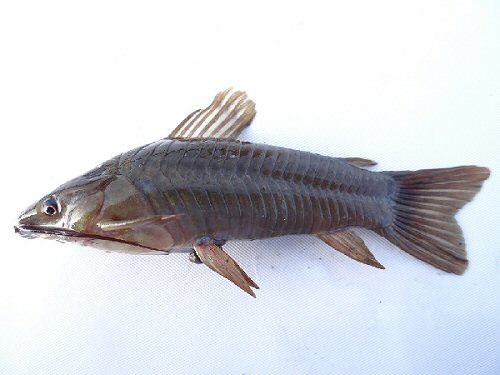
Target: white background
x=409, y=85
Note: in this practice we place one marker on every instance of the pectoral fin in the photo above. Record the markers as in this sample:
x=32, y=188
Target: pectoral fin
x=150, y=232
x=350, y=244
x=218, y=260
x=226, y=117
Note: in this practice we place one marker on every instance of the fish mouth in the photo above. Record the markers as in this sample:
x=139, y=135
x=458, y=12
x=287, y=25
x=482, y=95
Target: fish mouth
x=32, y=231
x=35, y=231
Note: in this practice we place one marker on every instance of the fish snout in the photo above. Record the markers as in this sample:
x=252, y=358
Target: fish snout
x=24, y=220
x=26, y=217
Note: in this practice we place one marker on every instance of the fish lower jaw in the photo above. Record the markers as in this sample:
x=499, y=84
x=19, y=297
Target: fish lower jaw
x=108, y=244
x=24, y=233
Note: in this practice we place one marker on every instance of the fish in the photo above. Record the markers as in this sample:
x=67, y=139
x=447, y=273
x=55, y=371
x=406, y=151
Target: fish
x=201, y=186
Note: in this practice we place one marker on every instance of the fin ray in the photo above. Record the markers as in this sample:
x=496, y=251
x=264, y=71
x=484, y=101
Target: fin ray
x=424, y=205
x=350, y=244
x=135, y=223
x=226, y=117
x=219, y=261
x=360, y=162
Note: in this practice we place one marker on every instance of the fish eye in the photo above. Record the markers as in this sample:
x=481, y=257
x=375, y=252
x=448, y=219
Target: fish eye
x=50, y=206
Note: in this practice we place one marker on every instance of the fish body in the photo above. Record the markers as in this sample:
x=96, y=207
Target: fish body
x=241, y=190
x=201, y=187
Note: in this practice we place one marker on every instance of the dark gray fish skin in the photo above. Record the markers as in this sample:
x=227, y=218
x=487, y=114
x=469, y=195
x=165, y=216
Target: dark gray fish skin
x=242, y=190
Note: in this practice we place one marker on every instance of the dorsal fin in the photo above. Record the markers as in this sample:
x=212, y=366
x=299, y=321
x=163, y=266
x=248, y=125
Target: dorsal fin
x=226, y=117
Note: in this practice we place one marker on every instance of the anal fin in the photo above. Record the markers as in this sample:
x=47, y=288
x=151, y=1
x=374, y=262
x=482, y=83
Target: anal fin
x=219, y=261
x=350, y=244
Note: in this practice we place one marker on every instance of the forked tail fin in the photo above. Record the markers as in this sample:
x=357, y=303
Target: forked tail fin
x=424, y=204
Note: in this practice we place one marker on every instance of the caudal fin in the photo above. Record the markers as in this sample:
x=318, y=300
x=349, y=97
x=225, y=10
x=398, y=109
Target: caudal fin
x=424, y=204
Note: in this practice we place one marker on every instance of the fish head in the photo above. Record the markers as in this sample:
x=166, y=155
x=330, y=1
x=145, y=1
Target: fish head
x=105, y=212
x=68, y=210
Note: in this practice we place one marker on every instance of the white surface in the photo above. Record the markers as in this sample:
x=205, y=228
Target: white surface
x=411, y=86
